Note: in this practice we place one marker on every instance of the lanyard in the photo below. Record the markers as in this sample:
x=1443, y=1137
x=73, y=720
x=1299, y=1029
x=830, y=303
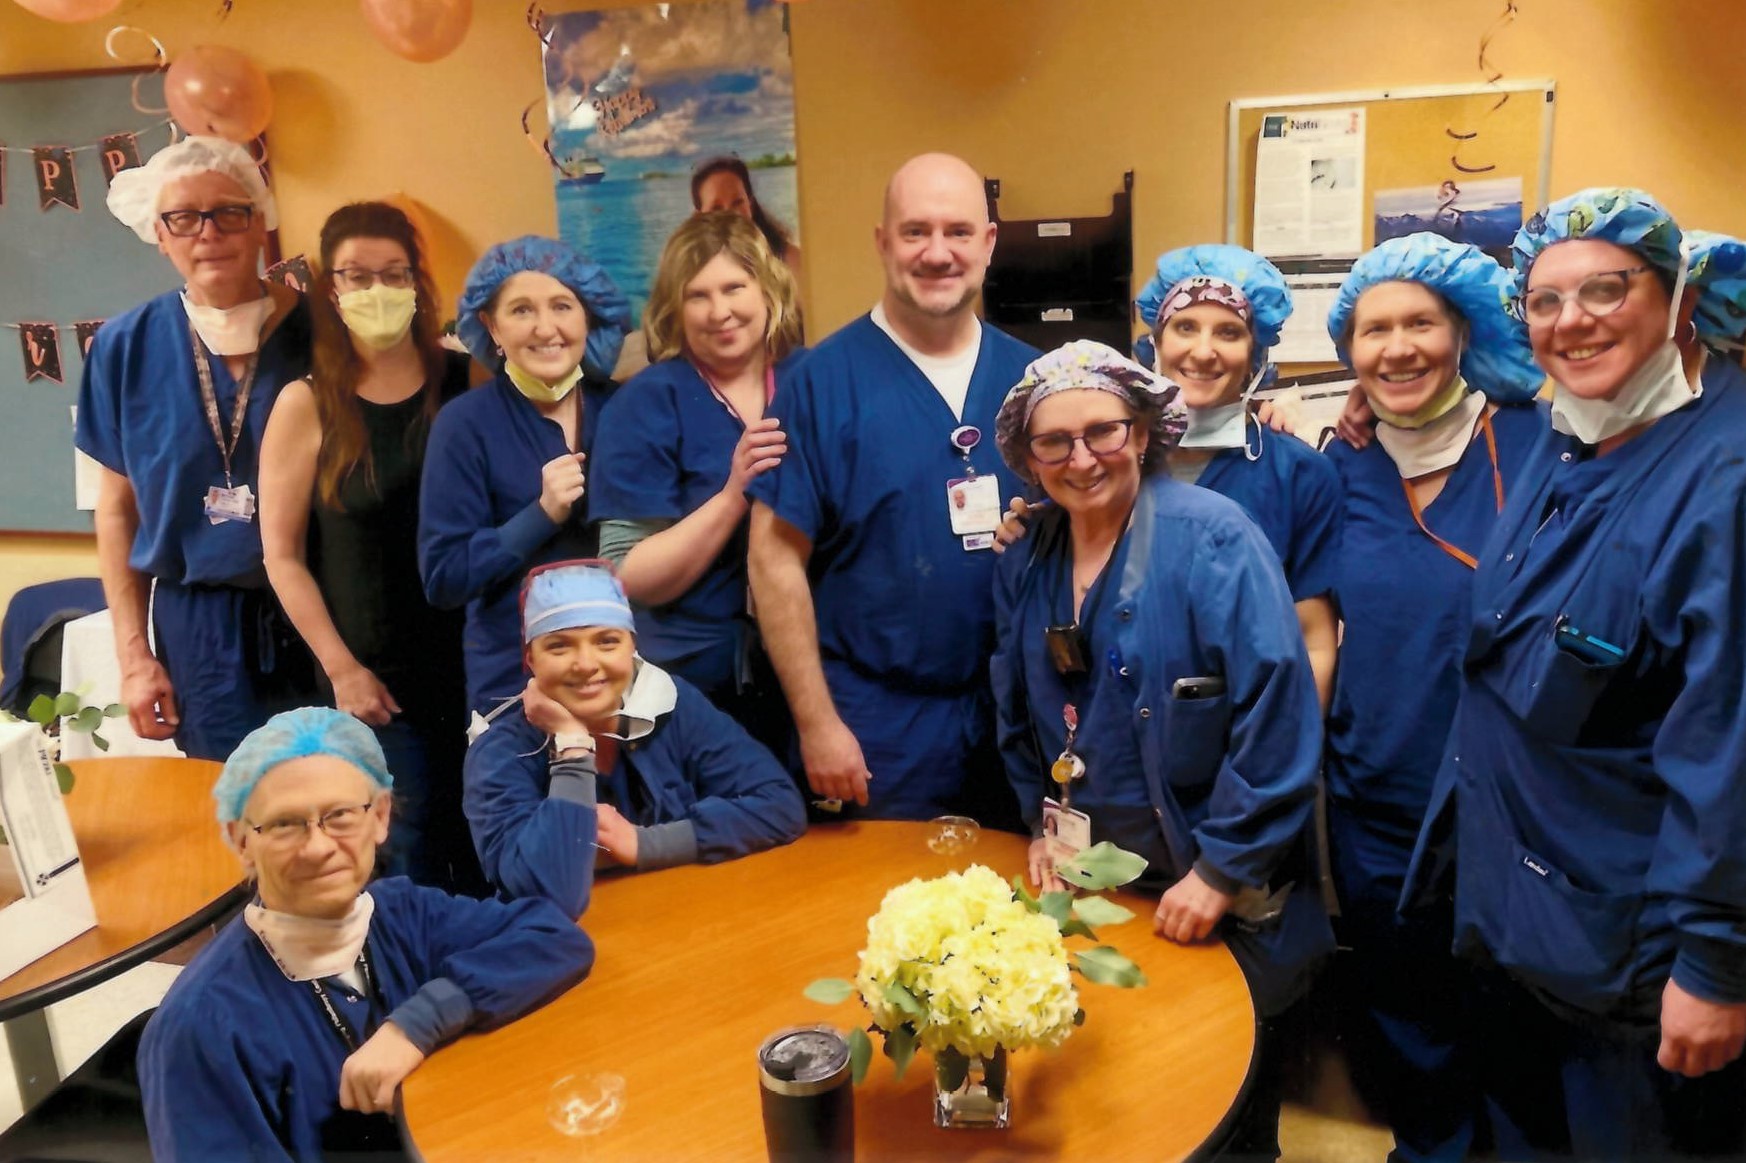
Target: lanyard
x=721, y=396
x=209, y=397
x=1069, y=765
x=1497, y=486
x=340, y=1026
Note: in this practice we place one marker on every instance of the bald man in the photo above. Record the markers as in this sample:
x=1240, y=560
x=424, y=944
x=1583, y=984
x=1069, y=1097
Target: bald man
x=870, y=554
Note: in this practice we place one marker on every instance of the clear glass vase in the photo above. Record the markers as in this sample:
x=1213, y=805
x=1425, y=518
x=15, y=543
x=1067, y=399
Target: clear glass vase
x=970, y=1090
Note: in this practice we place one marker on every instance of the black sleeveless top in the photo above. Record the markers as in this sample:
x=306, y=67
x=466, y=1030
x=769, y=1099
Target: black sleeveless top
x=364, y=555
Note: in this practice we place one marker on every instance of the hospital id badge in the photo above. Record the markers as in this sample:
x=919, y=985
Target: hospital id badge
x=973, y=504
x=1070, y=827
x=225, y=504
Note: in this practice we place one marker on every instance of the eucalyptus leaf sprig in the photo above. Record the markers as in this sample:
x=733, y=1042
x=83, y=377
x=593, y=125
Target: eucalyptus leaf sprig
x=69, y=706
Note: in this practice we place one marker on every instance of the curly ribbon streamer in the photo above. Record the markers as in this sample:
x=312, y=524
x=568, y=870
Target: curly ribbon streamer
x=160, y=62
x=1493, y=75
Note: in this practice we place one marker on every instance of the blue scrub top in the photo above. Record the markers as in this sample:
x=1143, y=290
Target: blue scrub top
x=140, y=415
x=1405, y=604
x=1293, y=494
x=1600, y=773
x=480, y=525
x=896, y=595
x=666, y=448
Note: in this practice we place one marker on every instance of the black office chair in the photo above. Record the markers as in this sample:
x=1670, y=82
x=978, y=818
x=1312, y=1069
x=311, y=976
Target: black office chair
x=95, y=1116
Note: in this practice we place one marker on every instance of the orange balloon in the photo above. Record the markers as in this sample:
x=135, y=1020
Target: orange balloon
x=219, y=92
x=419, y=30
x=69, y=11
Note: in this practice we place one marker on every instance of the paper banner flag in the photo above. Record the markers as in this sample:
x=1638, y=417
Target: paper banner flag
x=294, y=272
x=120, y=151
x=54, y=176
x=42, y=351
x=86, y=330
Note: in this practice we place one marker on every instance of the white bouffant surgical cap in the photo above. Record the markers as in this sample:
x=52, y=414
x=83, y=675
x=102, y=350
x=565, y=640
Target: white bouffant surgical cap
x=133, y=196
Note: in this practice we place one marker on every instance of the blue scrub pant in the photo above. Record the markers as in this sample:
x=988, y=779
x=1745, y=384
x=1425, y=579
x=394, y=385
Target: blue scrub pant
x=1561, y=1085
x=1406, y=1001
x=234, y=660
x=930, y=754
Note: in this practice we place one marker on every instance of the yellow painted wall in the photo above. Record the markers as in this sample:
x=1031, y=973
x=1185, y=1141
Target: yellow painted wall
x=1055, y=97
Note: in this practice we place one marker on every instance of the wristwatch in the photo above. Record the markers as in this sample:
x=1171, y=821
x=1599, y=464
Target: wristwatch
x=565, y=741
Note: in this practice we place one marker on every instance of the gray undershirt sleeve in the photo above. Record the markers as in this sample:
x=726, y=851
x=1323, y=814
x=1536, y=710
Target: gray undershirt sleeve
x=618, y=538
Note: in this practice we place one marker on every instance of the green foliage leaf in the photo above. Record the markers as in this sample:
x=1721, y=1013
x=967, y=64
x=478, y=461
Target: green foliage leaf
x=1023, y=895
x=64, y=777
x=41, y=710
x=1095, y=910
x=951, y=1068
x=99, y=741
x=860, y=1054
x=829, y=991
x=66, y=703
x=904, y=1000
x=1057, y=906
x=114, y=711
x=900, y=1047
x=1077, y=928
x=993, y=1067
x=1107, y=967
x=87, y=720
x=1101, y=866
x=1079, y=1016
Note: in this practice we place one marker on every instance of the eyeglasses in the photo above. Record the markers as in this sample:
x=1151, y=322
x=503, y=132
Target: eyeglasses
x=362, y=279
x=188, y=223
x=1600, y=294
x=1103, y=439
x=341, y=823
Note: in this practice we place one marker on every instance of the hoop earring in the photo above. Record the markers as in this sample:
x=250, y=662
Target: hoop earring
x=1692, y=337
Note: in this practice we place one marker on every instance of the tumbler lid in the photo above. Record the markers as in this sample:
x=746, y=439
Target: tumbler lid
x=803, y=1060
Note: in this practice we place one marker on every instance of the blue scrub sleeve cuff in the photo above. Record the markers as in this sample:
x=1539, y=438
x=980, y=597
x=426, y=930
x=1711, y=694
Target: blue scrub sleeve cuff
x=666, y=845
x=435, y=1014
x=573, y=780
x=1217, y=879
x=1710, y=969
x=525, y=532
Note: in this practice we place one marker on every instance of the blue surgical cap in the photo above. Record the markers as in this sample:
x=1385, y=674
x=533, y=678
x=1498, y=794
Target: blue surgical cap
x=1259, y=280
x=295, y=735
x=1497, y=360
x=1619, y=215
x=571, y=594
x=1718, y=270
x=608, y=310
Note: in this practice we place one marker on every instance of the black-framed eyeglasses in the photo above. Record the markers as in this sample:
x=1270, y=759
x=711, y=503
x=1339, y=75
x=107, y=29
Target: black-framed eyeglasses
x=1600, y=294
x=362, y=278
x=1105, y=439
x=341, y=823
x=188, y=223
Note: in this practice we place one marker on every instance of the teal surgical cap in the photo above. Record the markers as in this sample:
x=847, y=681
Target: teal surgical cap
x=296, y=735
x=1615, y=214
x=572, y=594
x=1718, y=270
x=609, y=316
x=1259, y=280
x=1497, y=360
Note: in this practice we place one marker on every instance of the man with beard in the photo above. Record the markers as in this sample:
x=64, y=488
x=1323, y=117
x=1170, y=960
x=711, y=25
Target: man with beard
x=871, y=582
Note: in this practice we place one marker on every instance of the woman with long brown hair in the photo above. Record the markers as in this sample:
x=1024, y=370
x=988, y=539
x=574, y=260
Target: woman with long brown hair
x=341, y=462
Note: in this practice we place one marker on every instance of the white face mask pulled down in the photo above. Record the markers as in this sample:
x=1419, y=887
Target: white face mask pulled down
x=229, y=330
x=1654, y=390
x=1437, y=444
x=1225, y=425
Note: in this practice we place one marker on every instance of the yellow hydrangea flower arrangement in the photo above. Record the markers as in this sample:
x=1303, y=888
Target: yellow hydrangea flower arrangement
x=966, y=964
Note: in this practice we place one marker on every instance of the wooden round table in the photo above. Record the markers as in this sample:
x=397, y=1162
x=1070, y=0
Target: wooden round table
x=158, y=873
x=696, y=966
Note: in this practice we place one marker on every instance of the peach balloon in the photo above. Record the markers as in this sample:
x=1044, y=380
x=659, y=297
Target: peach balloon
x=69, y=11
x=419, y=30
x=220, y=92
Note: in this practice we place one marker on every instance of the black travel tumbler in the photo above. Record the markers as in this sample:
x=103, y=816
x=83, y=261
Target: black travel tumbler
x=809, y=1103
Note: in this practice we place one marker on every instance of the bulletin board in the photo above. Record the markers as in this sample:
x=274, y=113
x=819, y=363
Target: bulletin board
x=62, y=267
x=1407, y=141
x=1422, y=149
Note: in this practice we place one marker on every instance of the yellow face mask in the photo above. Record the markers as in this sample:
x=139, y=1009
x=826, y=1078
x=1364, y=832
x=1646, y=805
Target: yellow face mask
x=1434, y=408
x=537, y=389
x=379, y=316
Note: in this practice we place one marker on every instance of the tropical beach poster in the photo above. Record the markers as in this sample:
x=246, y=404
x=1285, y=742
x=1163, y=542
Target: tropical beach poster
x=638, y=97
